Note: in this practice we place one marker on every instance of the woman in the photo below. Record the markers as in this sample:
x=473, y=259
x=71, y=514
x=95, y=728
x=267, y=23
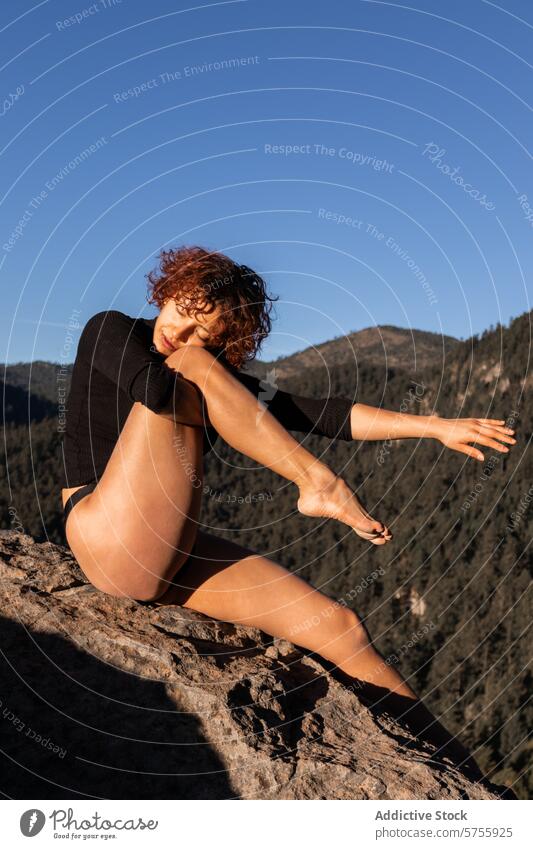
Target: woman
x=146, y=399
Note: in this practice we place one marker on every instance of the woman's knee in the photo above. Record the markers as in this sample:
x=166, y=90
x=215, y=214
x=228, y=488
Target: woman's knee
x=353, y=628
x=191, y=360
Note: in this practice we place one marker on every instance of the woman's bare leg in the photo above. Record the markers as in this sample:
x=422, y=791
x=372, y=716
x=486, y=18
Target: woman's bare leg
x=245, y=424
x=138, y=526
x=228, y=582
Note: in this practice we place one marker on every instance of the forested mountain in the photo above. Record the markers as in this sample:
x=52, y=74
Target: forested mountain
x=382, y=345
x=451, y=600
x=38, y=378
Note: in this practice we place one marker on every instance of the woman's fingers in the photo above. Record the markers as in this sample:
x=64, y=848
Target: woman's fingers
x=494, y=425
x=491, y=421
x=500, y=434
x=484, y=437
x=491, y=443
x=466, y=449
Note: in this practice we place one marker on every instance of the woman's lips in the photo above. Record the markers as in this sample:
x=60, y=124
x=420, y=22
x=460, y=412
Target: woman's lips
x=167, y=343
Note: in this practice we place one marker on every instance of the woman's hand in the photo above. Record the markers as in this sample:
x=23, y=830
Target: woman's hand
x=457, y=433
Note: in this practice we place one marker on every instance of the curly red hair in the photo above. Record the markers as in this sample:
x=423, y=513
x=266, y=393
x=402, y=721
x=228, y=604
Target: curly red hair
x=200, y=280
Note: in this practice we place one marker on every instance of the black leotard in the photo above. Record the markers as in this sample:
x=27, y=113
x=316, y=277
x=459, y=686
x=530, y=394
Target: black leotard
x=117, y=364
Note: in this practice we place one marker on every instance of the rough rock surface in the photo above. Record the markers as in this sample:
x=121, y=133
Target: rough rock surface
x=109, y=698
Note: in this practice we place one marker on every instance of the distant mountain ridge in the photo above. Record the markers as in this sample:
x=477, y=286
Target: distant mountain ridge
x=384, y=345
x=38, y=377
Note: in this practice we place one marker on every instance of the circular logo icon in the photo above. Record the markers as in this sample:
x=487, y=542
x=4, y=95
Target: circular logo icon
x=32, y=822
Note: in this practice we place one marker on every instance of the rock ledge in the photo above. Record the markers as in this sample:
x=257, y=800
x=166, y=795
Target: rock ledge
x=108, y=698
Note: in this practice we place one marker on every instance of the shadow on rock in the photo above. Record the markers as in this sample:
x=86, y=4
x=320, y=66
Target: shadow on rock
x=74, y=727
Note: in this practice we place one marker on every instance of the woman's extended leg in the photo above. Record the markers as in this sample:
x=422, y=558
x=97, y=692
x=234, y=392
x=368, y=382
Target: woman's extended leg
x=228, y=582
x=233, y=411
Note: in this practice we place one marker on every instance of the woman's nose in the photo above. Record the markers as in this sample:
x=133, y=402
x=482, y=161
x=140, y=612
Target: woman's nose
x=183, y=336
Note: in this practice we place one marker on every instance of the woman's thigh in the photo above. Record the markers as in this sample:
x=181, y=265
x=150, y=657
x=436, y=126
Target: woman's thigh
x=226, y=581
x=132, y=533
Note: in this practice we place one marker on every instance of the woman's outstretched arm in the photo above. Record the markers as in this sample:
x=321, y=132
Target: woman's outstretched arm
x=372, y=423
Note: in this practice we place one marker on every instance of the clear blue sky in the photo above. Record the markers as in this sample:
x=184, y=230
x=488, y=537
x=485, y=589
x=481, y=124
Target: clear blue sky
x=128, y=127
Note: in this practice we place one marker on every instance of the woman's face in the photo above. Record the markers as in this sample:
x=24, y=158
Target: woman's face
x=174, y=328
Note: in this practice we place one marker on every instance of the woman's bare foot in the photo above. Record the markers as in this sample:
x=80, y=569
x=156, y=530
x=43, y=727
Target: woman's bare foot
x=335, y=500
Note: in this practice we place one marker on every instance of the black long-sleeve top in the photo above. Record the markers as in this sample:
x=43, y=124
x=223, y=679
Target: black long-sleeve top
x=117, y=364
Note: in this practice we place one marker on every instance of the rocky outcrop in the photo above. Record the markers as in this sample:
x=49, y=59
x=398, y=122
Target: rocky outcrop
x=109, y=698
